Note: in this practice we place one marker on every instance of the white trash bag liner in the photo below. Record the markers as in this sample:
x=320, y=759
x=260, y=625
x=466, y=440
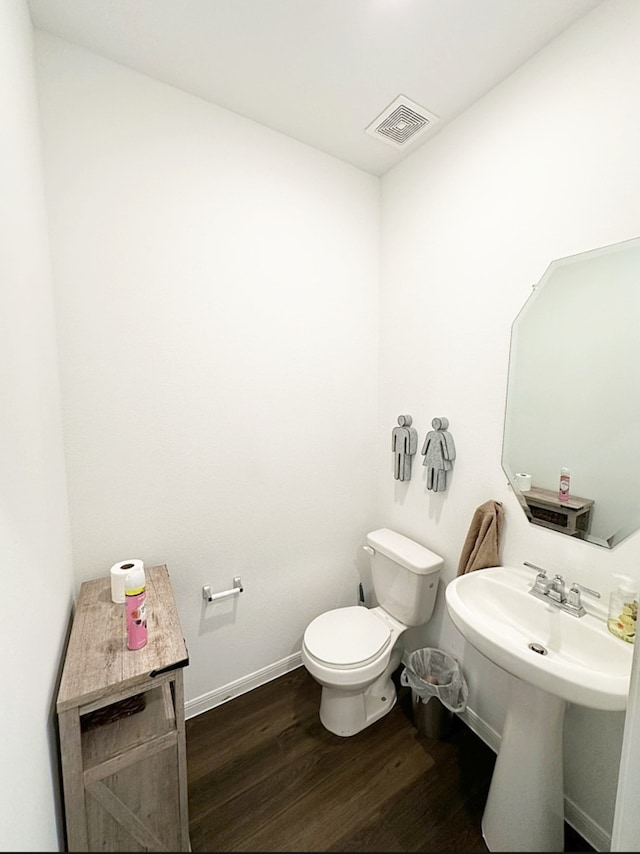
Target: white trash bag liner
x=433, y=673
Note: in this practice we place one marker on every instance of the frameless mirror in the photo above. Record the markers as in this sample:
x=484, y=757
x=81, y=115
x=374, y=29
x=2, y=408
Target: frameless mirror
x=573, y=396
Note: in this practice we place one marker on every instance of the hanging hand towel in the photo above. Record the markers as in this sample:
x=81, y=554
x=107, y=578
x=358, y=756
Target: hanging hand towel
x=482, y=545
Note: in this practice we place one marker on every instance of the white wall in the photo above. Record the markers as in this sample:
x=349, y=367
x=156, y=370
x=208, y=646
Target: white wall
x=37, y=581
x=543, y=167
x=216, y=295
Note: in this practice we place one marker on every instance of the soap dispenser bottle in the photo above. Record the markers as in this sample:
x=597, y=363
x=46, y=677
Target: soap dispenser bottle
x=623, y=609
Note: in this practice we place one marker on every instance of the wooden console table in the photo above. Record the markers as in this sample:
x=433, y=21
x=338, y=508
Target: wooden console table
x=121, y=720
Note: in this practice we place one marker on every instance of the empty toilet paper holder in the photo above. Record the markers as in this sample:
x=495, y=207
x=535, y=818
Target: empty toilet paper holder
x=208, y=596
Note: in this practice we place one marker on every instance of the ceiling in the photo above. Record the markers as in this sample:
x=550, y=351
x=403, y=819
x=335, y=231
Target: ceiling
x=320, y=71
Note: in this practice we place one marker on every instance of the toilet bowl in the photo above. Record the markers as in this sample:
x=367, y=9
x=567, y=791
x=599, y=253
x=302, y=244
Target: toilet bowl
x=353, y=651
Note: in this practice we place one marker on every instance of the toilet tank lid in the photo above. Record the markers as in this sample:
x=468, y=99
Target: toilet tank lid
x=404, y=551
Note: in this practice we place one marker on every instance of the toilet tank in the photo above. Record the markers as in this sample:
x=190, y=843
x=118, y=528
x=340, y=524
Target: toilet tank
x=405, y=576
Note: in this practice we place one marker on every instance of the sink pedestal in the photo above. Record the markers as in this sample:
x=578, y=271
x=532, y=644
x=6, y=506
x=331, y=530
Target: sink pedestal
x=525, y=806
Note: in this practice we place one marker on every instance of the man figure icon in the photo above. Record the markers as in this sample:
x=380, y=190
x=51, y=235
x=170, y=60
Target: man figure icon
x=404, y=444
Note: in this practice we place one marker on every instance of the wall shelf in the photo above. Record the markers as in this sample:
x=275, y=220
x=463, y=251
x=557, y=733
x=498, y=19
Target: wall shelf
x=543, y=507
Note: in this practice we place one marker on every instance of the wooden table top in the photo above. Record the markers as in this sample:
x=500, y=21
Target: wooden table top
x=98, y=660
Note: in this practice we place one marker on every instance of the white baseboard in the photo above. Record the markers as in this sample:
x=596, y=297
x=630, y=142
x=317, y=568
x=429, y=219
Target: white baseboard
x=481, y=728
x=241, y=686
x=595, y=835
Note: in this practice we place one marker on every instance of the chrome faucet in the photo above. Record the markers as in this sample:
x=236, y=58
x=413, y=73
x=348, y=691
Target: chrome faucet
x=554, y=590
x=557, y=589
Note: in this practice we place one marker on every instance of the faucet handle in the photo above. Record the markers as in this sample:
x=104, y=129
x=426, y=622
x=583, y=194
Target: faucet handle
x=542, y=573
x=574, y=600
x=576, y=588
x=542, y=583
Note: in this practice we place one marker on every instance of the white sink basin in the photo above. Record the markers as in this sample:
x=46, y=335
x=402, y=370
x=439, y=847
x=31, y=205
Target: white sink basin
x=584, y=663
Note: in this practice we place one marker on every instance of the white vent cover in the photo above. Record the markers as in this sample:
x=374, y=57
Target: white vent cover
x=401, y=123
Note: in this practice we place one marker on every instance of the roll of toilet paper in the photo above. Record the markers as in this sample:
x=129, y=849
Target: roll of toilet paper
x=118, y=574
x=524, y=481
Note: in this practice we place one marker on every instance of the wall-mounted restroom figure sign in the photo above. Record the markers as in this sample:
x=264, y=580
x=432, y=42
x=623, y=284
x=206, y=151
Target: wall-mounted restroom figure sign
x=439, y=450
x=404, y=444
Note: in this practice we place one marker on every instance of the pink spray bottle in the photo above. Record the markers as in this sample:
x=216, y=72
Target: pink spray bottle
x=135, y=595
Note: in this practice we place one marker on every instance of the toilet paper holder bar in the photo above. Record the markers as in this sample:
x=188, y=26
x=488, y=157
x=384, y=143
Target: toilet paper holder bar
x=208, y=596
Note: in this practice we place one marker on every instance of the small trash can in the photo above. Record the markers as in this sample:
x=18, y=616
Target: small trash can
x=438, y=690
x=431, y=717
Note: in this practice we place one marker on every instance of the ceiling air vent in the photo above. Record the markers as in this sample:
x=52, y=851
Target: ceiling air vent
x=401, y=123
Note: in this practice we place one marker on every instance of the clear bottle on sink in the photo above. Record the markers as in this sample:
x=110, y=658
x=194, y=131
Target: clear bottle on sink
x=623, y=609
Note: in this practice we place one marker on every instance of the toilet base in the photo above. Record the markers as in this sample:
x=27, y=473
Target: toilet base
x=347, y=712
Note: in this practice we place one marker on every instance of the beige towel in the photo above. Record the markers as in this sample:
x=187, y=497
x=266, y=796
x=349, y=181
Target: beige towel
x=482, y=545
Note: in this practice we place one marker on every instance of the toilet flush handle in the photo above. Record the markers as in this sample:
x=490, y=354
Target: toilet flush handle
x=369, y=550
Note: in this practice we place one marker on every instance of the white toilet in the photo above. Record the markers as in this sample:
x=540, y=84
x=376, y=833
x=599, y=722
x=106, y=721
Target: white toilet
x=353, y=651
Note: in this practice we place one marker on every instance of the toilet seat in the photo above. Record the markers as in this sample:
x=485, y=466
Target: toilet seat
x=347, y=638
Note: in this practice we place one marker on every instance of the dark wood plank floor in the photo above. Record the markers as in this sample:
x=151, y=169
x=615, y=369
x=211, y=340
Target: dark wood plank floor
x=265, y=775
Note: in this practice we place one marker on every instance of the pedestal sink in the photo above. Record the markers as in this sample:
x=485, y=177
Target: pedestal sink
x=555, y=658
